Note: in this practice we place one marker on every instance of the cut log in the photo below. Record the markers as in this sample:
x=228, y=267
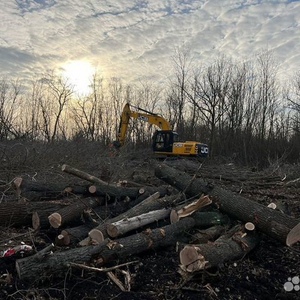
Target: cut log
x=280, y=206
x=73, y=211
x=37, y=191
x=125, y=225
x=77, y=190
x=44, y=265
x=115, y=191
x=149, y=204
x=121, y=192
x=20, y=214
x=195, y=258
x=83, y=175
x=100, y=232
x=271, y=222
x=56, y=264
x=102, y=188
x=73, y=235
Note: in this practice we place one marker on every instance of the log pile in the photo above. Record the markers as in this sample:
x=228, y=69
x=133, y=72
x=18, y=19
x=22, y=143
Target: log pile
x=205, y=223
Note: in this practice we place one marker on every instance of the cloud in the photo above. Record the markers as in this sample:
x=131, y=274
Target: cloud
x=134, y=39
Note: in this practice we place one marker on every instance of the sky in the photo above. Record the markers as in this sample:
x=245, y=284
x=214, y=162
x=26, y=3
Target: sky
x=136, y=39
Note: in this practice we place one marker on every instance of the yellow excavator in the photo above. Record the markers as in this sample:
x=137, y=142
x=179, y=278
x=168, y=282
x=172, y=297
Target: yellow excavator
x=165, y=140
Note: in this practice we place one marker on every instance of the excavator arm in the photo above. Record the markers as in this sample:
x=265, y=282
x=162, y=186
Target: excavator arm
x=144, y=115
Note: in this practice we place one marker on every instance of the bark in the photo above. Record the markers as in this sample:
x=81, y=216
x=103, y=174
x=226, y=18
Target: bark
x=125, y=225
x=269, y=221
x=83, y=175
x=195, y=258
x=72, y=212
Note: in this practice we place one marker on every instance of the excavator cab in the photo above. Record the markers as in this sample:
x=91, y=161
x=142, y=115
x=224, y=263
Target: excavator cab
x=166, y=143
x=163, y=140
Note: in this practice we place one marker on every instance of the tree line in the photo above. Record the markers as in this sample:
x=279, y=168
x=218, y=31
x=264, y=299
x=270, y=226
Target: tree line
x=242, y=110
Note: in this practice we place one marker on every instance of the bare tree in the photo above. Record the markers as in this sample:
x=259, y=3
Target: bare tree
x=10, y=99
x=267, y=94
x=87, y=112
x=177, y=95
x=211, y=88
x=56, y=94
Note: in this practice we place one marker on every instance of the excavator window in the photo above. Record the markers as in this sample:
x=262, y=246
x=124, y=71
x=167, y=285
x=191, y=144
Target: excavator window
x=163, y=140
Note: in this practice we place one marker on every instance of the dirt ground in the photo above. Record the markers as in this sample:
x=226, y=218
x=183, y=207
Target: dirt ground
x=154, y=274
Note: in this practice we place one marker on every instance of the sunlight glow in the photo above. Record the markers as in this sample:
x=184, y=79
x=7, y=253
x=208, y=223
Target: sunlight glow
x=79, y=74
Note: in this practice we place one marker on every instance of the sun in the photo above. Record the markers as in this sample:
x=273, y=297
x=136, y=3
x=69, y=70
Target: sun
x=79, y=74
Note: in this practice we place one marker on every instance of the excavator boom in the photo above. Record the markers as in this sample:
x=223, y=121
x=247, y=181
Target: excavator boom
x=145, y=116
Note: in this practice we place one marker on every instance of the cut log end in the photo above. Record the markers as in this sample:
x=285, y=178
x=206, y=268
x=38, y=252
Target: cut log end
x=35, y=221
x=272, y=205
x=55, y=220
x=64, y=167
x=17, y=182
x=112, y=230
x=174, y=216
x=92, y=189
x=96, y=235
x=68, y=189
x=191, y=259
x=249, y=226
x=141, y=191
x=64, y=238
x=294, y=236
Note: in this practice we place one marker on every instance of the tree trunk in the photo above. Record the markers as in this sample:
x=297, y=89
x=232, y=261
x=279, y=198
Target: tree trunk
x=44, y=265
x=125, y=225
x=73, y=235
x=271, y=222
x=20, y=214
x=37, y=191
x=102, y=188
x=195, y=258
x=120, y=192
x=72, y=212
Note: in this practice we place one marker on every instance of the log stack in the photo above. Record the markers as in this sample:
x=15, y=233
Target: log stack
x=207, y=224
